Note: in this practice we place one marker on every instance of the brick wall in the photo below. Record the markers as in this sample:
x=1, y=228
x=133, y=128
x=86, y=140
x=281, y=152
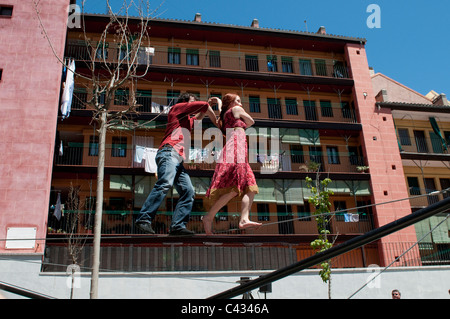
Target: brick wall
x=29, y=96
x=381, y=150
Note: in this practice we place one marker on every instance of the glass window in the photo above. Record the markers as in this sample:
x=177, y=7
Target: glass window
x=119, y=146
x=291, y=107
x=286, y=64
x=403, y=135
x=326, y=109
x=333, y=155
x=255, y=104
x=173, y=56
x=251, y=63
x=305, y=67
x=192, y=57
x=214, y=59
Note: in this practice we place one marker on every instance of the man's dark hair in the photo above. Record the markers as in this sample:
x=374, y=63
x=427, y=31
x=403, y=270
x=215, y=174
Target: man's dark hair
x=185, y=97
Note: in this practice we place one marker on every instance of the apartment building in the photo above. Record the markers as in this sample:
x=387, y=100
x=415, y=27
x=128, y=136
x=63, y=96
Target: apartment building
x=312, y=89
x=422, y=126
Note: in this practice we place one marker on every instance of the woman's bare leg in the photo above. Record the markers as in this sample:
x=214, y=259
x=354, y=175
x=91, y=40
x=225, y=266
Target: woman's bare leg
x=208, y=218
x=246, y=204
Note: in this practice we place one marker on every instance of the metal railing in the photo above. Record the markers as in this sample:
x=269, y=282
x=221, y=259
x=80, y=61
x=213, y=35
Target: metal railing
x=123, y=155
x=223, y=60
x=123, y=223
x=423, y=145
x=303, y=110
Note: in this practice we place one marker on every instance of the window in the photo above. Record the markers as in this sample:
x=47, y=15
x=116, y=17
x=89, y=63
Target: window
x=255, y=104
x=347, y=111
x=297, y=154
x=291, y=107
x=144, y=99
x=6, y=11
x=263, y=212
x=1, y=74
x=429, y=188
x=121, y=97
x=192, y=57
x=315, y=155
x=445, y=183
x=119, y=146
x=305, y=67
x=310, y=110
x=333, y=155
x=214, y=59
x=93, y=145
x=340, y=70
x=304, y=212
x=421, y=142
x=403, y=135
x=355, y=156
x=272, y=65
x=286, y=64
x=326, y=109
x=413, y=184
x=144, y=56
x=340, y=207
x=274, y=108
x=173, y=55
x=172, y=97
x=321, y=67
x=102, y=51
x=251, y=63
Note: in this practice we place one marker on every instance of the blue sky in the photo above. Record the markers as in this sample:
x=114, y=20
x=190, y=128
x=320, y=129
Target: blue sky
x=412, y=45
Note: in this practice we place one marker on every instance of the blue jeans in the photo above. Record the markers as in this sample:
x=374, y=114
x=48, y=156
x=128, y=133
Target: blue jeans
x=171, y=172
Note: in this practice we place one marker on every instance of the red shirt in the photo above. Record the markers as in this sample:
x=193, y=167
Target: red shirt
x=179, y=118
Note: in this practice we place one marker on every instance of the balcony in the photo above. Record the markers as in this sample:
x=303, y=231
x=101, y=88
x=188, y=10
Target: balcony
x=290, y=109
x=121, y=222
x=300, y=159
x=203, y=59
x=422, y=147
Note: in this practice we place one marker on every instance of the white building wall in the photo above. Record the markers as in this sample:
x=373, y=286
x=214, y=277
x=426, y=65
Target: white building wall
x=413, y=283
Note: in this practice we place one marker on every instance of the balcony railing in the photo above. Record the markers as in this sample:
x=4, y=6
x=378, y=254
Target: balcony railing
x=234, y=257
x=301, y=110
x=122, y=222
x=218, y=60
x=423, y=145
x=304, y=161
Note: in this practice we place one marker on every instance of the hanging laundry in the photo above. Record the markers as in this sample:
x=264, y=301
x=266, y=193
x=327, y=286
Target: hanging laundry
x=58, y=210
x=61, y=149
x=140, y=150
x=66, y=100
x=351, y=218
x=150, y=162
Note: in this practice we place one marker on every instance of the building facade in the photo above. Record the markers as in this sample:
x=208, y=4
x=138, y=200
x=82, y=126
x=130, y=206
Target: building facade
x=313, y=89
x=310, y=92
x=422, y=124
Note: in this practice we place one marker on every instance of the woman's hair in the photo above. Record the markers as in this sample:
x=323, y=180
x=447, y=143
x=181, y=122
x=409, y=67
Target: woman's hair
x=226, y=101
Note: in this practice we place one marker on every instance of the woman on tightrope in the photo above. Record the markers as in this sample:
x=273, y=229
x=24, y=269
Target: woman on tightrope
x=233, y=176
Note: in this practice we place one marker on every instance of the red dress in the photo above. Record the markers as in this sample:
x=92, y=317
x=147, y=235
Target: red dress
x=232, y=173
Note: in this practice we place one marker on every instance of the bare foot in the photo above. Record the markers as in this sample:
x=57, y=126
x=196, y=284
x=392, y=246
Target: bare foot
x=207, y=224
x=249, y=224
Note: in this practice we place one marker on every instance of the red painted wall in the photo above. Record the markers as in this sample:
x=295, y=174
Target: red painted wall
x=381, y=151
x=29, y=97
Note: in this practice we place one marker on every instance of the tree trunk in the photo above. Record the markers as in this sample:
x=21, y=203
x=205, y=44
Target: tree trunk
x=99, y=206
